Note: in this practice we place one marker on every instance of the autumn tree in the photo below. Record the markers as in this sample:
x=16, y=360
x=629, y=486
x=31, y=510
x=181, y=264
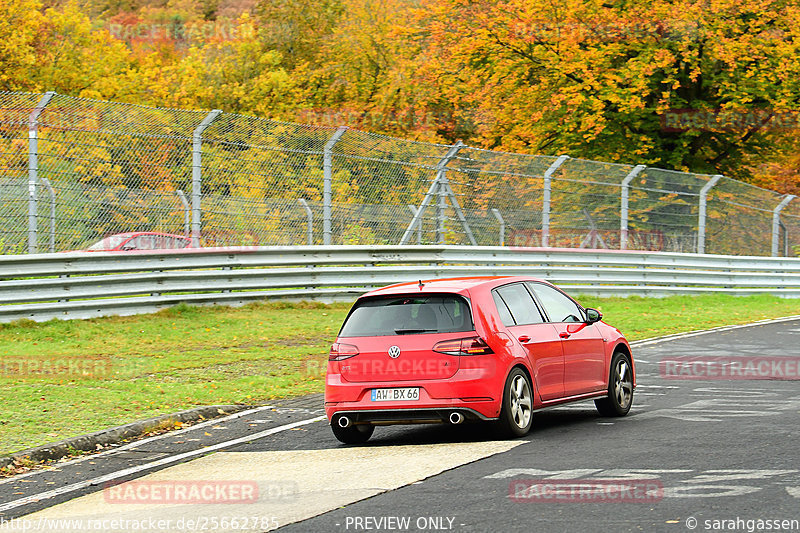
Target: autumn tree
x=298, y=29
x=19, y=26
x=596, y=79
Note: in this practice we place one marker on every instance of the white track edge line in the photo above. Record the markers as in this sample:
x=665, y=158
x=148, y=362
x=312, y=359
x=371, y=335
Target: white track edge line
x=160, y=462
x=677, y=336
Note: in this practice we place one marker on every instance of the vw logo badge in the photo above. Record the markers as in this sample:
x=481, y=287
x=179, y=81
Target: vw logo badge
x=394, y=352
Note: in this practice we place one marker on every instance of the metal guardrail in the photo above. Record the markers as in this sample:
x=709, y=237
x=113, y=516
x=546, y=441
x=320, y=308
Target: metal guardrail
x=85, y=284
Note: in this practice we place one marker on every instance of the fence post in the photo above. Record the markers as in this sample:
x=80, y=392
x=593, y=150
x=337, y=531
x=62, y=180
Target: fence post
x=701, y=222
x=52, y=237
x=546, y=199
x=623, y=212
x=419, y=224
x=785, y=238
x=433, y=190
x=33, y=168
x=310, y=222
x=197, y=173
x=499, y=217
x=441, y=209
x=327, y=171
x=776, y=222
x=187, y=213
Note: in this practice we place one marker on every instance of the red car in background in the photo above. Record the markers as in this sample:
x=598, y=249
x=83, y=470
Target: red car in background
x=480, y=348
x=140, y=240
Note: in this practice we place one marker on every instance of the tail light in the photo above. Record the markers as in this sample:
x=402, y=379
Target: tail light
x=341, y=351
x=466, y=346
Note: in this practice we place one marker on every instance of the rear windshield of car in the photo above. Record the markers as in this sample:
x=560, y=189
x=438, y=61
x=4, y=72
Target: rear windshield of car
x=109, y=243
x=408, y=315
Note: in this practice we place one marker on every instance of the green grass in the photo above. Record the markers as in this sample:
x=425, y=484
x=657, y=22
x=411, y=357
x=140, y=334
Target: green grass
x=643, y=318
x=190, y=356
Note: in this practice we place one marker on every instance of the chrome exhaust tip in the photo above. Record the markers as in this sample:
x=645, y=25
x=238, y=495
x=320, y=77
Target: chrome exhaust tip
x=456, y=417
x=344, y=422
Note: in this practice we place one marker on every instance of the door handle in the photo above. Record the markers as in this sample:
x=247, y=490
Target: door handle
x=524, y=338
x=564, y=335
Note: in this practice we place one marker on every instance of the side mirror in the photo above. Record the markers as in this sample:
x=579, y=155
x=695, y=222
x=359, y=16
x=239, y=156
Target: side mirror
x=593, y=315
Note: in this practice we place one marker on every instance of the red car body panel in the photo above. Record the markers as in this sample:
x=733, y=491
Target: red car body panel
x=566, y=361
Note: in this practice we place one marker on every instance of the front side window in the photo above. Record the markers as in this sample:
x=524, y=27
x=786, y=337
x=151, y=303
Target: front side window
x=141, y=242
x=408, y=315
x=558, y=306
x=520, y=304
x=178, y=243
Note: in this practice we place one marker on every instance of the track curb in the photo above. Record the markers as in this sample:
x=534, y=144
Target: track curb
x=106, y=437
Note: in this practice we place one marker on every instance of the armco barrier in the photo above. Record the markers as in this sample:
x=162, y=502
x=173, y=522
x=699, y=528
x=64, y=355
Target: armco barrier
x=85, y=284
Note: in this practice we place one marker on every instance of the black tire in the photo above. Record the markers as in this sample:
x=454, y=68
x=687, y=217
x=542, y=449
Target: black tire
x=353, y=434
x=516, y=415
x=620, y=388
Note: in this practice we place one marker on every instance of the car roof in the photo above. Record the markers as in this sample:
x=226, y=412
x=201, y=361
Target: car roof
x=461, y=285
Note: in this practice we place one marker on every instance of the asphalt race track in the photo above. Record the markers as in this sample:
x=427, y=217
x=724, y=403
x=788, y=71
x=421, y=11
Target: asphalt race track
x=705, y=448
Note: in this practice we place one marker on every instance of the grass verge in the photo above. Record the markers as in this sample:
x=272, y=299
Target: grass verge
x=110, y=371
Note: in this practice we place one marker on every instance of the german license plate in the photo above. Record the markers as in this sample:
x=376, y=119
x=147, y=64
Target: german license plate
x=395, y=395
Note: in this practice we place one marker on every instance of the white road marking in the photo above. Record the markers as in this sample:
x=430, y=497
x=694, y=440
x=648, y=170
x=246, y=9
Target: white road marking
x=739, y=393
x=702, y=416
x=713, y=476
x=724, y=404
x=702, y=485
x=678, y=336
x=708, y=491
x=153, y=464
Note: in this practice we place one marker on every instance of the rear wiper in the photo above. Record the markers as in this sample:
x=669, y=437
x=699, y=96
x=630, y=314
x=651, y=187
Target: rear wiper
x=405, y=331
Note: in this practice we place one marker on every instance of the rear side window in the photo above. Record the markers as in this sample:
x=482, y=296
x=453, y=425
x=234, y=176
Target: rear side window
x=502, y=310
x=408, y=315
x=520, y=304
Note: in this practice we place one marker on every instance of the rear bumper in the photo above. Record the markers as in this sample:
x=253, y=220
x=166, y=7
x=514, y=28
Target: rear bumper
x=436, y=402
x=425, y=415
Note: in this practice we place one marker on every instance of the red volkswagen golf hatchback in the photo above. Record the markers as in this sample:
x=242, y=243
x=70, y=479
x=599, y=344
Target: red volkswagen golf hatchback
x=482, y=348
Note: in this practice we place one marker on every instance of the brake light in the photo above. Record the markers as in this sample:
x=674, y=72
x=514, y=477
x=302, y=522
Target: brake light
x=342, y=351
x=466, y=346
